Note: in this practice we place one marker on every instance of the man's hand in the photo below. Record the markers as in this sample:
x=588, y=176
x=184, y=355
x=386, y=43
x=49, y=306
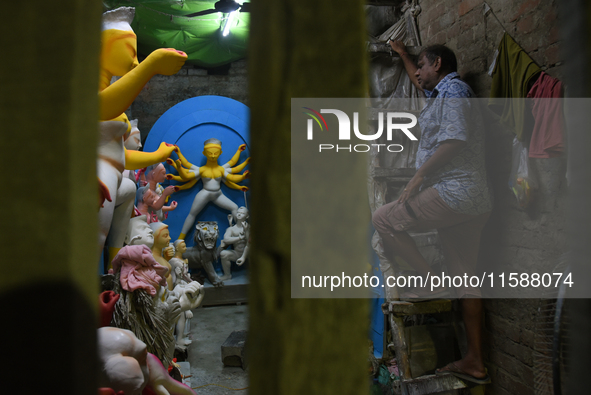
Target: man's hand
x=409, y=65
x=411, y=188
x=397, y=46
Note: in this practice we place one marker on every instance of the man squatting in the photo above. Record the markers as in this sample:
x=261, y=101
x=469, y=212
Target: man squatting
x=449, y=192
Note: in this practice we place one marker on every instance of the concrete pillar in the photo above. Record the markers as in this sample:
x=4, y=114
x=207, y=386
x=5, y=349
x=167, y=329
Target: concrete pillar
x=576, y=32
x=298, y=48
x=48, y=112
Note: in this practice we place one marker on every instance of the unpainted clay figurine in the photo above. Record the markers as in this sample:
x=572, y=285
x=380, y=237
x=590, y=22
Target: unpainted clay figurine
x=237, y=236
x=180, y=276
x=190, y=293
x=212, y=175
x=127, y=366
x=139, y=232
x=133, y=140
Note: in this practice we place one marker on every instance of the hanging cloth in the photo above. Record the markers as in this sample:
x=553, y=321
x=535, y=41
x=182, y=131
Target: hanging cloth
x=548, y=133
x=511, y=77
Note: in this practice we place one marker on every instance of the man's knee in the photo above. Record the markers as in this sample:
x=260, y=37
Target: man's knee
x=379, y=219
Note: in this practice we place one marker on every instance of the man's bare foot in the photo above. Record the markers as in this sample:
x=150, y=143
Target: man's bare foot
x=469, y=370
x=226, y=277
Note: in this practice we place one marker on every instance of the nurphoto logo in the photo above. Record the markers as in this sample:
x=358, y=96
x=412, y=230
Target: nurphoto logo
x=344, y=132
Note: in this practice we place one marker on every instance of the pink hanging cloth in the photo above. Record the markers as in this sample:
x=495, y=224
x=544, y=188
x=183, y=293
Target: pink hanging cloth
x=139, y=269
x=547, y=140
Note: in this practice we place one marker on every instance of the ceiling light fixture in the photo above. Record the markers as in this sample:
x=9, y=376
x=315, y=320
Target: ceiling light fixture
x=228, y=23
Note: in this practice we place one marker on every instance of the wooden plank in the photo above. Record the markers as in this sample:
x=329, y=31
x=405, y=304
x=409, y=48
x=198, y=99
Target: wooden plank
x=400, y=346
x=431, y=384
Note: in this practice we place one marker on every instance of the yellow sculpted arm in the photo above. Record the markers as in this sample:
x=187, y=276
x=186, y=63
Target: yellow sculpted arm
x=138, y=160
x=187, y=185
x=182, y=159
x=238, y=177
x=184, y=174
x=232, y=185
x=236, y=156
x=117, y=97
x=241, y=166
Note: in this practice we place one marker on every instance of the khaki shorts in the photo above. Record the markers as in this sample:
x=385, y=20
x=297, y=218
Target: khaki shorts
x=459, y=234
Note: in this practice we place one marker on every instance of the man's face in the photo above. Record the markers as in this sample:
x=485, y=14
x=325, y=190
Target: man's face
x=428, y=74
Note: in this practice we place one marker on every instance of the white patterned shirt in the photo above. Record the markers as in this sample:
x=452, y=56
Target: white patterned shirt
x=449, y=114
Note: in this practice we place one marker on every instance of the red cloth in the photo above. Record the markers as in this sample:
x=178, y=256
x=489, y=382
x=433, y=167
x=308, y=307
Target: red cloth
x=139, y=269
x=547, y=140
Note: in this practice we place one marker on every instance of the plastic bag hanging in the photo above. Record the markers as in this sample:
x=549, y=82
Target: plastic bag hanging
x=521, y=180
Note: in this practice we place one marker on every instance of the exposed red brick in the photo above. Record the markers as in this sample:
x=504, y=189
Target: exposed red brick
x=553, y=35
x=439, y=38
x=447, y=19
x=428, y=16
x=512, y=365
x=502, y=327
x=526, y=24
x=552, y=54
x=529, y=44
x=453, y=31
x=550, y=17
x=526, y=7
x=514, y=386
x=469, y=20
x=467, y=5
x=464, y=39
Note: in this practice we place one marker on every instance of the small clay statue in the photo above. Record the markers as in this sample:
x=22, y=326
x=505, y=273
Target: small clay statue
x=237, y=236
x=180, y=276
x=204, y=253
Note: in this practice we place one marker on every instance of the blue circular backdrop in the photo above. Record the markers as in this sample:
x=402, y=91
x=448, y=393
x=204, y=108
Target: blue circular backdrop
x=188, y=124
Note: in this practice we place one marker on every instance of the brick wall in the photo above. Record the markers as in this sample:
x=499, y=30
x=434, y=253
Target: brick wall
x=462, y=26
x=514, y=240
x=163, y=92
